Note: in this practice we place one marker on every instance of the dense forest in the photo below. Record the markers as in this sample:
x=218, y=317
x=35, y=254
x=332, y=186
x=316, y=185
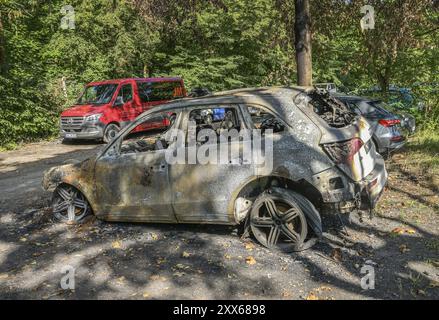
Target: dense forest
x=48, y=51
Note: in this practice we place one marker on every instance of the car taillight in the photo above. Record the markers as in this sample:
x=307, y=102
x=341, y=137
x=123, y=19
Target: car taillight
x=397, y=138
x=389, y=122
x=343, y=152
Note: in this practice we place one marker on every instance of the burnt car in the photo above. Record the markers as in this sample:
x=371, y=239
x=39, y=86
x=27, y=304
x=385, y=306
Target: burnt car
x=322, y=157
x=390, y=129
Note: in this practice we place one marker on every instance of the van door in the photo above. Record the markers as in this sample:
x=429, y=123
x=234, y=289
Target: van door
x=129, y=112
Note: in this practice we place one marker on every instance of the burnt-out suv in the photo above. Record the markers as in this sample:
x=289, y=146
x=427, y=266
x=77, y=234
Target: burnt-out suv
x=321, y=161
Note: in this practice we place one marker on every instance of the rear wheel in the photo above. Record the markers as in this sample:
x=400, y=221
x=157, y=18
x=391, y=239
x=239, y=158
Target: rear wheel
x=111, y=132
x=278, y=222
x=69, y=205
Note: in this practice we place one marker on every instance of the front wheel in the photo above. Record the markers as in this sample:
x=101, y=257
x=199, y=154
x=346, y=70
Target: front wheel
x=111, y=132
x=69, y=205
x=277, y=220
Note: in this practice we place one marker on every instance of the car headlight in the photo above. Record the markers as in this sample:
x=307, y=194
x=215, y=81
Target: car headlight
x=93, y=118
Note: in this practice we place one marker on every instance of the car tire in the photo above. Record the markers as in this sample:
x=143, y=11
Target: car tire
x=278, y=220
x=111, y=132
x=70, y=206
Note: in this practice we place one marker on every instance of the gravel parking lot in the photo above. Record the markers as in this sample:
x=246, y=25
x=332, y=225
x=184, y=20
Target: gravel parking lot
x=153, y=261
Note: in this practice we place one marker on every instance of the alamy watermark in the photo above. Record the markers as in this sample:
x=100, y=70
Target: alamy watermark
x=67, y=281
x=367, y=22
x=368, y=281
x=68, y=20
x=208, y=146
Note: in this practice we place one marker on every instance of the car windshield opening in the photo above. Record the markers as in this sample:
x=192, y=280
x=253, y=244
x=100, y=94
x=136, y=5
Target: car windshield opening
x=98, y=94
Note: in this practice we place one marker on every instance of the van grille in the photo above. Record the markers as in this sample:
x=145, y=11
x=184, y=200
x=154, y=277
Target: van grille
x=71, y=122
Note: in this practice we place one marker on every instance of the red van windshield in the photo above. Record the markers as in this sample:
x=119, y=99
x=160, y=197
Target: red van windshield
x=99, y=94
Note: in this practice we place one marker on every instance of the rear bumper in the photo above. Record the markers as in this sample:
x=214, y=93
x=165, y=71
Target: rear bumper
x=347, y=195
x=373, y=185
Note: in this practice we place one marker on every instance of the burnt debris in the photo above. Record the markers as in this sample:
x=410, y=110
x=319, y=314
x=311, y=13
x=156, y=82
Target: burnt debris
x=334, y=112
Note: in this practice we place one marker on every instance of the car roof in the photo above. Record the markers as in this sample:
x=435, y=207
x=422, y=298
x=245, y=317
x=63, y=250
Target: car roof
x=273, y=96
x=117, y=81
x=277, y=99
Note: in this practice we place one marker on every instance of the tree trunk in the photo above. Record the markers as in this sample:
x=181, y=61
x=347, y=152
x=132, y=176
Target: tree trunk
x=303, y=43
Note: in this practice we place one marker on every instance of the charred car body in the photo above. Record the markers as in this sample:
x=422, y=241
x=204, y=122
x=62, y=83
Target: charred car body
x=323, y=161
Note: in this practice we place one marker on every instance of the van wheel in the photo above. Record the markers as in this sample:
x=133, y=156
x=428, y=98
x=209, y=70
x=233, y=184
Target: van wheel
x=111, y=132
x=277, y=220
x=69, y=205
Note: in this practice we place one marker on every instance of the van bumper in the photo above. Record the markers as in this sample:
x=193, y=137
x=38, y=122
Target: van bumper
x=85, y=132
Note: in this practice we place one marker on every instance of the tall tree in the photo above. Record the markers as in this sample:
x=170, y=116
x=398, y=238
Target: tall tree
x=302, y=30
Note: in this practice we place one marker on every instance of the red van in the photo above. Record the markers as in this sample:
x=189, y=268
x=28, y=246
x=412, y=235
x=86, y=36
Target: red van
x=107, y=106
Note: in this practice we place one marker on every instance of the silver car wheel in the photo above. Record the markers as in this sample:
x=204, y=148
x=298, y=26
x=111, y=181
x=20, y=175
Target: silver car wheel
x=69, y=205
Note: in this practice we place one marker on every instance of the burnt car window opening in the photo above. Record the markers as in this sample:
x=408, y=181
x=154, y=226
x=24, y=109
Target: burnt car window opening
x=149, y=135
x=216, y=118
x=126, y=92
x=99, y=94
x=159, y=91
x=264, y=120
x=334, y=112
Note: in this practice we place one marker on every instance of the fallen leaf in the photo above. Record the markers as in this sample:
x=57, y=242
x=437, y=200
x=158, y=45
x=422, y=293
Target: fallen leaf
x=312, y=296
x=228, y=257
x=156, y=277
x=145, y=294
x=324, y=288
x=116, y=245
x=154, y=236
x=404, y=248
x=250, y=260
x=410, y=231
x=186, y=254
x=398, y=231
x=23, y=239
x=249, y=246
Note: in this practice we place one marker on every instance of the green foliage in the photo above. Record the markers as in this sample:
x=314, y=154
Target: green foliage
x=219, y=44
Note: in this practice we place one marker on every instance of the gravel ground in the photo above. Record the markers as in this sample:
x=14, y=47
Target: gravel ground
x=152, y=261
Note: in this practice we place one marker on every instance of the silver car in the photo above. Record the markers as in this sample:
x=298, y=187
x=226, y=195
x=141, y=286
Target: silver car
x=323, y=161
x=390, y=130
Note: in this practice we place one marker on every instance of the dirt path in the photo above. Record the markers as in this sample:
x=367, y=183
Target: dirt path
x=21, y=170
x=145, y=261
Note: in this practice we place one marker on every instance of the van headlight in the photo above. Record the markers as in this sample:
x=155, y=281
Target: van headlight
x=93, y=118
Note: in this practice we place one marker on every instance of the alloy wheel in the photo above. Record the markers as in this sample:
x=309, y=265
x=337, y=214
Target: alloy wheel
x=69, y=205
x=277, y=222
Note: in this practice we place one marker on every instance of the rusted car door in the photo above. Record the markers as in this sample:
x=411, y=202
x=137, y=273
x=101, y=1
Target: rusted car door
x=134, y=187
x=202, y=192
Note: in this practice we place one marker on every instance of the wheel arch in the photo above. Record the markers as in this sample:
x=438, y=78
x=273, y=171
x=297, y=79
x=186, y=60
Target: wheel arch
x=252, y=188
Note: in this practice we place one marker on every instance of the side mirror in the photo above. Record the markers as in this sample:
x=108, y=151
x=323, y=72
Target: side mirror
x=118, y=102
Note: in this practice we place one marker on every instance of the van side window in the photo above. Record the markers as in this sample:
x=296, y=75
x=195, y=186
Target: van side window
x=264, y=120
x=126, y=92
x=159, y=91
